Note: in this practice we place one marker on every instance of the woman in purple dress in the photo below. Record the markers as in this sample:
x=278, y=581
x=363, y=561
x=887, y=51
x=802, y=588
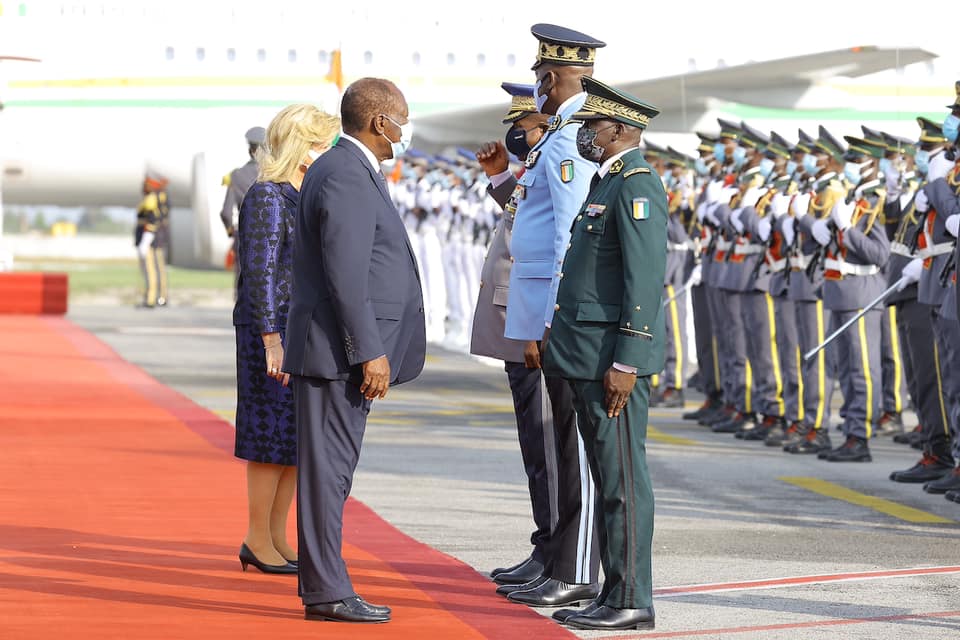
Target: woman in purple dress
x=266, y=433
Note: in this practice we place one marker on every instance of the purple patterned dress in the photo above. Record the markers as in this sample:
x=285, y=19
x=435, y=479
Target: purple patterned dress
x=266, y=431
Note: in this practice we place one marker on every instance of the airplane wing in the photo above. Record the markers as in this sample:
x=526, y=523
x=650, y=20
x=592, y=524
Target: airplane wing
x=776, y=83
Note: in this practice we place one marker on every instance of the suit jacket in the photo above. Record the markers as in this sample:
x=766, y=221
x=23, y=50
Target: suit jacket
x=609, y=302
x=356, y=291
x=490, y=315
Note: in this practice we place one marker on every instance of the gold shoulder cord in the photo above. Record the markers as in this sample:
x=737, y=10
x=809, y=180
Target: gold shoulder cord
x=830, y=198
x=764, y=203
x=906, y=221
x=872, y=213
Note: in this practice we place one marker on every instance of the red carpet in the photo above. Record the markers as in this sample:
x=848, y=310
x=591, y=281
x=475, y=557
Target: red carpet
x=122, y=510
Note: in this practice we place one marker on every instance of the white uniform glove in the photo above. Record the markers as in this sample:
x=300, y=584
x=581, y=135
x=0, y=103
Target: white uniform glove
x=953, y=224
x=713, y=190
x=787, y=228
x=727, y=193
x=696, y=276
x=921, y=202
x=911, y=273
x=821, y=232
x=842, y=214
x=801, y=202
x=780, y=204
x=735, y=219
x=701, y=212
x=712, y=219
x=751, y=197
x=145, y=241
x=763, y=229
x=939, y=167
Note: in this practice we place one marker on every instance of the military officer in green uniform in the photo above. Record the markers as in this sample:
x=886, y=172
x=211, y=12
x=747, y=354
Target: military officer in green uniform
x=607, y=339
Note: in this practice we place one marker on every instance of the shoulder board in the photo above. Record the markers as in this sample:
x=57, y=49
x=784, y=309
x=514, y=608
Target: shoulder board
x=568, y=121
x=634, y=172
x=226, y=179
x=616, y=167
x=553, y=123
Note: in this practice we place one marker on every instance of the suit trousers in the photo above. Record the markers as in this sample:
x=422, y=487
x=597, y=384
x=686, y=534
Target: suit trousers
x=616, y=448
x=573, y=550
x=531, y=406
x=921, y=358
x=788, y=348
x=818, y=373
x=760, y=338
x=331, y=416
x=707, y=362
x=675, y=315
x=891, y=357
x=858, y=362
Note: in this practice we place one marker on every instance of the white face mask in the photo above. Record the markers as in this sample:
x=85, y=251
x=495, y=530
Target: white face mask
x=406, y=137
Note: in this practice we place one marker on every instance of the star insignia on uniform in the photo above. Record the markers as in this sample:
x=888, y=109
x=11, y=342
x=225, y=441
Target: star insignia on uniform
x=617, y=166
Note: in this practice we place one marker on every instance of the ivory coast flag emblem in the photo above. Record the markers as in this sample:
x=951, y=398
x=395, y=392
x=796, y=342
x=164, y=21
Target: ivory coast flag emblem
x=641, y=209
x=566, y=170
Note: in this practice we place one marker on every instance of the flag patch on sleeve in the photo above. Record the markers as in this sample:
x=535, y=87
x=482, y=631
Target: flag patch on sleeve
x=641, y=209
x=566, y=170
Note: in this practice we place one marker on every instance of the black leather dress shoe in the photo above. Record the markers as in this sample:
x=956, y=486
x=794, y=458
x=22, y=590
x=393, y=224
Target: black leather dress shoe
x=929, y=468
x=813, y=441
x=499, y=570
x=507, y=589
x=949, y=482
x=709, y=406
x=561, y=615
x=354, y=609
x=672, y=398
x=853, y=450
x=247, y=557
x=525, y=572
x=553, y=593
x=953, y=496
x=606, y=618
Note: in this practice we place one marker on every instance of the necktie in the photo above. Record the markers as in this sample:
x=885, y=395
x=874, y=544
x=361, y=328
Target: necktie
x=594, y=181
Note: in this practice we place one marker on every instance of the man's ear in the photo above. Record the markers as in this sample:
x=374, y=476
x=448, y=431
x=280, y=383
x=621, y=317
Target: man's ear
x=377, y=124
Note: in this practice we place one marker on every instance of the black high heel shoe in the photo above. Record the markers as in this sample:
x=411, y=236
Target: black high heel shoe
x=247, y=557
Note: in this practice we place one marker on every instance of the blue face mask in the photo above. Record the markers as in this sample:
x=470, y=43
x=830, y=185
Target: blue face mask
x=671, y=180
x=810, y=164
x=791, y=167
x=766, y=167
x=700, y=166
x=720, y=152
x=922, y=160
x=739, y=155
x=886, y=167
x=951, y=125
x=851, y=171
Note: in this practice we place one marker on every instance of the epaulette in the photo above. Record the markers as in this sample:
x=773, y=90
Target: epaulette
x=635, y=171
x=616, y=167
x=568, y=121
x=226, y=180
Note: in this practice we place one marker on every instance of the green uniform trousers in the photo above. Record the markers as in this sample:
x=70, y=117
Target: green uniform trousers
x=616, y=451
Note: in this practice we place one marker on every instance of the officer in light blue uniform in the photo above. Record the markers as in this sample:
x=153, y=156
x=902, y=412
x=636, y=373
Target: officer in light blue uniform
x=546, y=199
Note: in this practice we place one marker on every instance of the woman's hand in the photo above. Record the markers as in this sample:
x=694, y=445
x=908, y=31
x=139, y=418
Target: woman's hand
x=273, y=350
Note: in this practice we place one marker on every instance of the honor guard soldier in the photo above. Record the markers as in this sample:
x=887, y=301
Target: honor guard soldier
x=237, y=183
x=527, y=126
x=151, y=215
x=608, y=339
x=547, y=197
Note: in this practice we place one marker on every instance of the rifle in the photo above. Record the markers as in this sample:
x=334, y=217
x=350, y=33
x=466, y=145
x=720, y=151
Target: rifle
x=821, y=253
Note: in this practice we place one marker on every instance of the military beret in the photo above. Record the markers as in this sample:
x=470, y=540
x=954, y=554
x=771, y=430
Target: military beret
x=560, y=45
x=521, y=101
x=606, y=103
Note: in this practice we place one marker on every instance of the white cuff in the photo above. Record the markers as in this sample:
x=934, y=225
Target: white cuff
x=500, y=178
x=547, y=324
x=625, y=368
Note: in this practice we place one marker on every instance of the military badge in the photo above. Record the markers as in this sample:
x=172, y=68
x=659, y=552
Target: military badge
x=617, y=166
x=641, y=208
x=566, y=170
x=594, y=210
x=531, y=159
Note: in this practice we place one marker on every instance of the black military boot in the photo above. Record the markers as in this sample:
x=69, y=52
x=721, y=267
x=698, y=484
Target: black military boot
x=907, y=437
x=780, y=437
x=736, y=423
x=671, y=398
x=813, y=441
x=930, y=467
x=853, y=450
x=709, y=405
x=953, y=496
x=723, y=414
x=949, y=482
x=890, y=423
x=770, y=424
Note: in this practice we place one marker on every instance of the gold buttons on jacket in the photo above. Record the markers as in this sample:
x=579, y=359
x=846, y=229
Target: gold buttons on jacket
x=638, y=307
x=589, y=227
x=556, y=307
x=579, y=218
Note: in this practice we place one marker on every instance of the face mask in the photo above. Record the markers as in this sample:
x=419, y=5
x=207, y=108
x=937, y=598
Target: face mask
x=739, y=155
x=810, y=164
x=406, y=136
x=922, y=161
x=720, y=152
x=791, y=167
x=951, y=125
x=851, y=171
x=539, y=99
x=585, y=144
x=516, y=142
x=700, y=166
x=766, y=167
x=886, y=167
x=669, y=181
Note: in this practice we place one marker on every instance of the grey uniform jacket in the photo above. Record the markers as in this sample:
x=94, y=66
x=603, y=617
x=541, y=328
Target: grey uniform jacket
x=241, y=179
x=862, y=247
x=490, y=315
x=943, y=200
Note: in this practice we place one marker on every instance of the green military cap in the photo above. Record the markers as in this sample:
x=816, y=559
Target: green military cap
x=862, y=147
x=706, y=142
x=751, y=174
x=896, y=144
x=606, y=103
x=728, y=130
x=560, y=45
x=828, y=144
x=930, y=131
x=805, y=142
x=651, y=150
x=778, y=146
x=753, y=138
x=521, y=101
x=782, y=183
x=956, y=102
x=678, y=158
x=873, y=136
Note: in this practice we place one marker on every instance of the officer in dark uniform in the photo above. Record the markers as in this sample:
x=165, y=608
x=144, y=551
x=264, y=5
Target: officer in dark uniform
x=607, y=340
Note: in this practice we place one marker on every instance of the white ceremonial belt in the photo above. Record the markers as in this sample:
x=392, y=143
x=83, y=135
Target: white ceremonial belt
x=900, y=249
x=748, y=249
x=800, y=262
x=777, y=265
x=936, y=250
x=723, y=245
x=847, y=269
x=677, y=246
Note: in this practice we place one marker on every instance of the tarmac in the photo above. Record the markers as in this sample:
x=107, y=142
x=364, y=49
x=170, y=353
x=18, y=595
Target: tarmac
x=749, y=542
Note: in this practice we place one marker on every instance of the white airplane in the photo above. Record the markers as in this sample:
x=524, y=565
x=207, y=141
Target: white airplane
x=96, y=92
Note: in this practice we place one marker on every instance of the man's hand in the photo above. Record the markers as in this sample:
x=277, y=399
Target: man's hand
x=911, y=273
x=546, y=338
x=376, y=378
x=921, y=202
x=953, y=224
x=531, y=354
x=493, y=158
x=821, y=232
x=842, y=214
x=617, y=386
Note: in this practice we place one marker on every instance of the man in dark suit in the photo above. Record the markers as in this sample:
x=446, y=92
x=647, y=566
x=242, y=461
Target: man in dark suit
x=355, y=327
